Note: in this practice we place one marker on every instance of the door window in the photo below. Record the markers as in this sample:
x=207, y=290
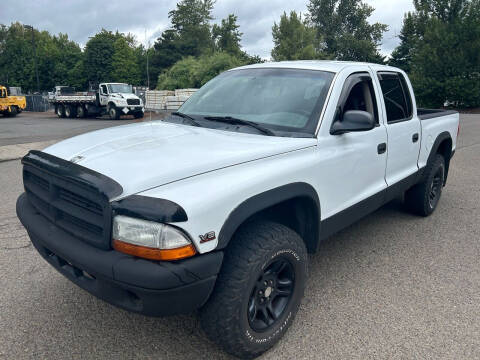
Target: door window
x=104, y=89
x=396, y=95
x=359, y=94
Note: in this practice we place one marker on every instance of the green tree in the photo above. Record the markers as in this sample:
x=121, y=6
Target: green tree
x=190, y=34
x=344, y=28
x=227, y=36
x=191, y=21
x=99, y=52
x=440, y=48
x=125, y=66
x=295, y=39
x=194, y=72
x=446, y=64
x=402, y=55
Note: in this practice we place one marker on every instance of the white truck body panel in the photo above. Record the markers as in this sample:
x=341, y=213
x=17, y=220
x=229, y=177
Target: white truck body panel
x=211, y=172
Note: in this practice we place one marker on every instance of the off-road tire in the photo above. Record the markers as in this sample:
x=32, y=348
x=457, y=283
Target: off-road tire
x=253, y=248
x=113, y=113
x=71, y=111
x=60, y=110
x=418, y=199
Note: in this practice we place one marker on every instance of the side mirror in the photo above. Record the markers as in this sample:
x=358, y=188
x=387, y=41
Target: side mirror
x=353, y=120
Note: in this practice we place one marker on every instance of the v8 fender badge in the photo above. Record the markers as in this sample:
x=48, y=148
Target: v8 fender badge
x=207, y=237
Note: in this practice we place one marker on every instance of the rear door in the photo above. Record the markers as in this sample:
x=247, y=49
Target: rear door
x=403, y=128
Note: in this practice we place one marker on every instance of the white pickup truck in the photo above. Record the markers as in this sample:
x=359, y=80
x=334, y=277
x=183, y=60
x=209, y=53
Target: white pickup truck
x=113, y=99
x=216, y=207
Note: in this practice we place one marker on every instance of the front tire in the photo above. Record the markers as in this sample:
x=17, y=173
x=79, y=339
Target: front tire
x=422, y=199
x=13, y=111
x=138, y=115
x=258, y=290
x=113, y=112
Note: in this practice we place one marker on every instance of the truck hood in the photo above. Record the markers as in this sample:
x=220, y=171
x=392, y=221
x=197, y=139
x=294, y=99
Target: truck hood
x=125, y=95
x=146, y=155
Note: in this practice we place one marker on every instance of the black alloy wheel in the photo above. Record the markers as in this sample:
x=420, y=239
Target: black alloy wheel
x=271, y=294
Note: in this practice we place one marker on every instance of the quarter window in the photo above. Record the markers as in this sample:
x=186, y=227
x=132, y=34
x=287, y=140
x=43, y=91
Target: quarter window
x=396, y=95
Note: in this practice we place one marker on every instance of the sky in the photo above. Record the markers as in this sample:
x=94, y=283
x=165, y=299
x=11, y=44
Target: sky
x=146, y=19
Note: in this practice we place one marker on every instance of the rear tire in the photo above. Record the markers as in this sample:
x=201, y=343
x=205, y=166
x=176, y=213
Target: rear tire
x=60, y=111
x=422, y=199
x=71, y=111
x=81, y=111
x=258, y=291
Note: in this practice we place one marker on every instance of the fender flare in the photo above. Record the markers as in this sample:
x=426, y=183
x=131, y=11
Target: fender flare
x=264, y=201
x=434, y=150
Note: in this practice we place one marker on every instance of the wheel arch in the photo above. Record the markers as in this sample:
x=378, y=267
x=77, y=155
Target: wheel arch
x=294, y=205
x=443, y=146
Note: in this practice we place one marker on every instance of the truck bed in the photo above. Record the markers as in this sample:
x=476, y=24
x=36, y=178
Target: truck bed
x=425, y=114
x=75, y=98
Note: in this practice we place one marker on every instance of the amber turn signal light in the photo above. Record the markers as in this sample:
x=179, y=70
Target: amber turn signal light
x=154, y=254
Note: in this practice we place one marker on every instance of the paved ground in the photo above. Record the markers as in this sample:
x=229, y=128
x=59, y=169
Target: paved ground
x=35, y=127
x=391, y=286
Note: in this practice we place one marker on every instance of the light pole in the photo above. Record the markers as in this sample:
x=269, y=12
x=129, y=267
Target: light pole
x=147, y=44
x=30, y=27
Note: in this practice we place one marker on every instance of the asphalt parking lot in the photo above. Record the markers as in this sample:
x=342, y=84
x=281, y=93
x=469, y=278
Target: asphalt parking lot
x=391, y=286
x=35, y=127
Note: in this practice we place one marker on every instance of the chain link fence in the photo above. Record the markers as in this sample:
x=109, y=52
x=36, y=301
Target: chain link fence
x=37, y=103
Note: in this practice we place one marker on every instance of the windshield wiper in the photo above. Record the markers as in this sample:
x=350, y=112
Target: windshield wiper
x=188, y=117
x=236, y=121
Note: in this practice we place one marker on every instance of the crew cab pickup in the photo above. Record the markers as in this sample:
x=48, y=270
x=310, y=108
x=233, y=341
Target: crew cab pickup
x=216, y=207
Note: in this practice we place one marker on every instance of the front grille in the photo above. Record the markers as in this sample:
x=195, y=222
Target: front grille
x=81, y=210
x=133, y=101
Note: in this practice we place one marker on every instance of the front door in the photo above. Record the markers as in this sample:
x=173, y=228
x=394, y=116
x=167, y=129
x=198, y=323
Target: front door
x=103, y=95
x=355, y=162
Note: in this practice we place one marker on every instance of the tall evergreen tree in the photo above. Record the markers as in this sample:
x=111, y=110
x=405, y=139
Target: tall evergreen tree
x=402, y=55
x=343, y=25
x=227, y=36
x=295, y=39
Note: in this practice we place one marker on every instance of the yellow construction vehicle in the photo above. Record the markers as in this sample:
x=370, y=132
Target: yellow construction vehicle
x=11, y=105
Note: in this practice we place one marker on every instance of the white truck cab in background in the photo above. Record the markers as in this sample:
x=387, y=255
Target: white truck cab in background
x=114, y=99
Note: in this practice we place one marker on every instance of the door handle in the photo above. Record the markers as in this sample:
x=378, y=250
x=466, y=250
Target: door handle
x=415, y=137
x=381, y=148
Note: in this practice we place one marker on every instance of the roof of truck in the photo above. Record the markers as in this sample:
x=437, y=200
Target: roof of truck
x=324, y=65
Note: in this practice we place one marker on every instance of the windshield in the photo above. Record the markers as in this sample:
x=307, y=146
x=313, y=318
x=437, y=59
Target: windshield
x=119, y=88
x=280, y=99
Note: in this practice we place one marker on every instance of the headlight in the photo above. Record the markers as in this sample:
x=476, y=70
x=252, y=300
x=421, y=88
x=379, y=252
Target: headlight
x=150, y=240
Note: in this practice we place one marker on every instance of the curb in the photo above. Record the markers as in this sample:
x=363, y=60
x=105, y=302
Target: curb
x=17, y=151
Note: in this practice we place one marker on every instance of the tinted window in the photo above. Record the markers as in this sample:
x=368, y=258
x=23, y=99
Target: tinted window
x=397, y=101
